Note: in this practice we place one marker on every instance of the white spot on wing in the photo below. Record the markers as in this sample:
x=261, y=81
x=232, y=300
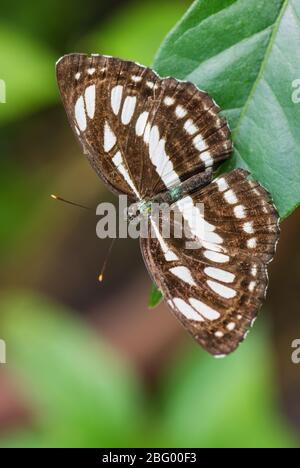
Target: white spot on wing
x=200, y=228
x=160, y=159
x=180, y=112
x=248, y=227
x=230, y=326
x=109, y=138
x=128, y=109
x=219, y=334
x=147, y=133
x=187, y=310
x=117, y=159
x=206, y=311
x=230, y=197
x=220, y=275
x=141, y=123
x=190, y=127
x=136, y=78
x=251, y=243
x=239, y=211
x=216, y=256
x=199, y=143
x=184, y=274
x=116, y=98
x=169, y=101
x=153, y=143
x=212, y=246
x=90, y=100
x=169, y=254
x=207, y=159
x=80, y=114
x=221, y=290
x=222, y=184
x=118, y=162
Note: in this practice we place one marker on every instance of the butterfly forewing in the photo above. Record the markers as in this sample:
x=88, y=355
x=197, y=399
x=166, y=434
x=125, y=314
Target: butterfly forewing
x=217, y=289
x=135, y=127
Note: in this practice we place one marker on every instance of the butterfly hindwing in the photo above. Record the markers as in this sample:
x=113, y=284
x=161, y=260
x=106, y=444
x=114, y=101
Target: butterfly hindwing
x=217, y=289
x=134, y=126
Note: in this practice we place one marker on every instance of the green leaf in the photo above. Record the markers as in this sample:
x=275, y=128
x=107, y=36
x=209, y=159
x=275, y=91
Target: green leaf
x=81, y=394
x=245, y=54
x=155, y=297
x=224, y=403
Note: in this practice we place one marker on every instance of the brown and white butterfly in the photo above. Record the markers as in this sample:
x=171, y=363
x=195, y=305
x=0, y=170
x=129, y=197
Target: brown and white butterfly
x=152, y=138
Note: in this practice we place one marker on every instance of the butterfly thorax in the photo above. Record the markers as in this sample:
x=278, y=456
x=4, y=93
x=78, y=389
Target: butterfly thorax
x=144, y=208
x=139, y=209
x=188, y=186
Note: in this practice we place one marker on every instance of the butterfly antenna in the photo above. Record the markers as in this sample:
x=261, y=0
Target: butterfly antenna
x=101, y=276
x=57, y=197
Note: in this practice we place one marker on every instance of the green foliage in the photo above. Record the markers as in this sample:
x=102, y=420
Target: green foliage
x=155, y=297
x=83, y=396
x=135, y=31
x=245, y=54
x=204, y=397
x=53, y=22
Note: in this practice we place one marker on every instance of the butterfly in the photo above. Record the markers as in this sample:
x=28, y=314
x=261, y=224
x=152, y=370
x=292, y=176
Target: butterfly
x=160, y=138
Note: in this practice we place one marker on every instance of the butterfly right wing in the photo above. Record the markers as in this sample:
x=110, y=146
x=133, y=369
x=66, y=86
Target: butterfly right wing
x=142, y=134
x=216, y=290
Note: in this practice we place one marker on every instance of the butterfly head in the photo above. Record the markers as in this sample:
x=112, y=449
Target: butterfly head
x=138, y=210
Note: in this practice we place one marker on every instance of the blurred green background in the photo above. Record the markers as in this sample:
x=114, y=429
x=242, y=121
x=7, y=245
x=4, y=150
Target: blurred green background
x=88, y=365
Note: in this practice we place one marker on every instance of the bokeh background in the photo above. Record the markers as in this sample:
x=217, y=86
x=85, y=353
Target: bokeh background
x=88, y=364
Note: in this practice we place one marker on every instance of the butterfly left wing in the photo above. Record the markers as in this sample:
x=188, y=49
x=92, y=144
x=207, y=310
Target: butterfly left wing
x=216, y=290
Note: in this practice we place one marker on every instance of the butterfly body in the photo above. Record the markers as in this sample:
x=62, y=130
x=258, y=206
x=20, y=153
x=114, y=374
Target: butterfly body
x=159, y=141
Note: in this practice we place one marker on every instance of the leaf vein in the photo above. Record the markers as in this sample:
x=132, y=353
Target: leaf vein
x=262, y=68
